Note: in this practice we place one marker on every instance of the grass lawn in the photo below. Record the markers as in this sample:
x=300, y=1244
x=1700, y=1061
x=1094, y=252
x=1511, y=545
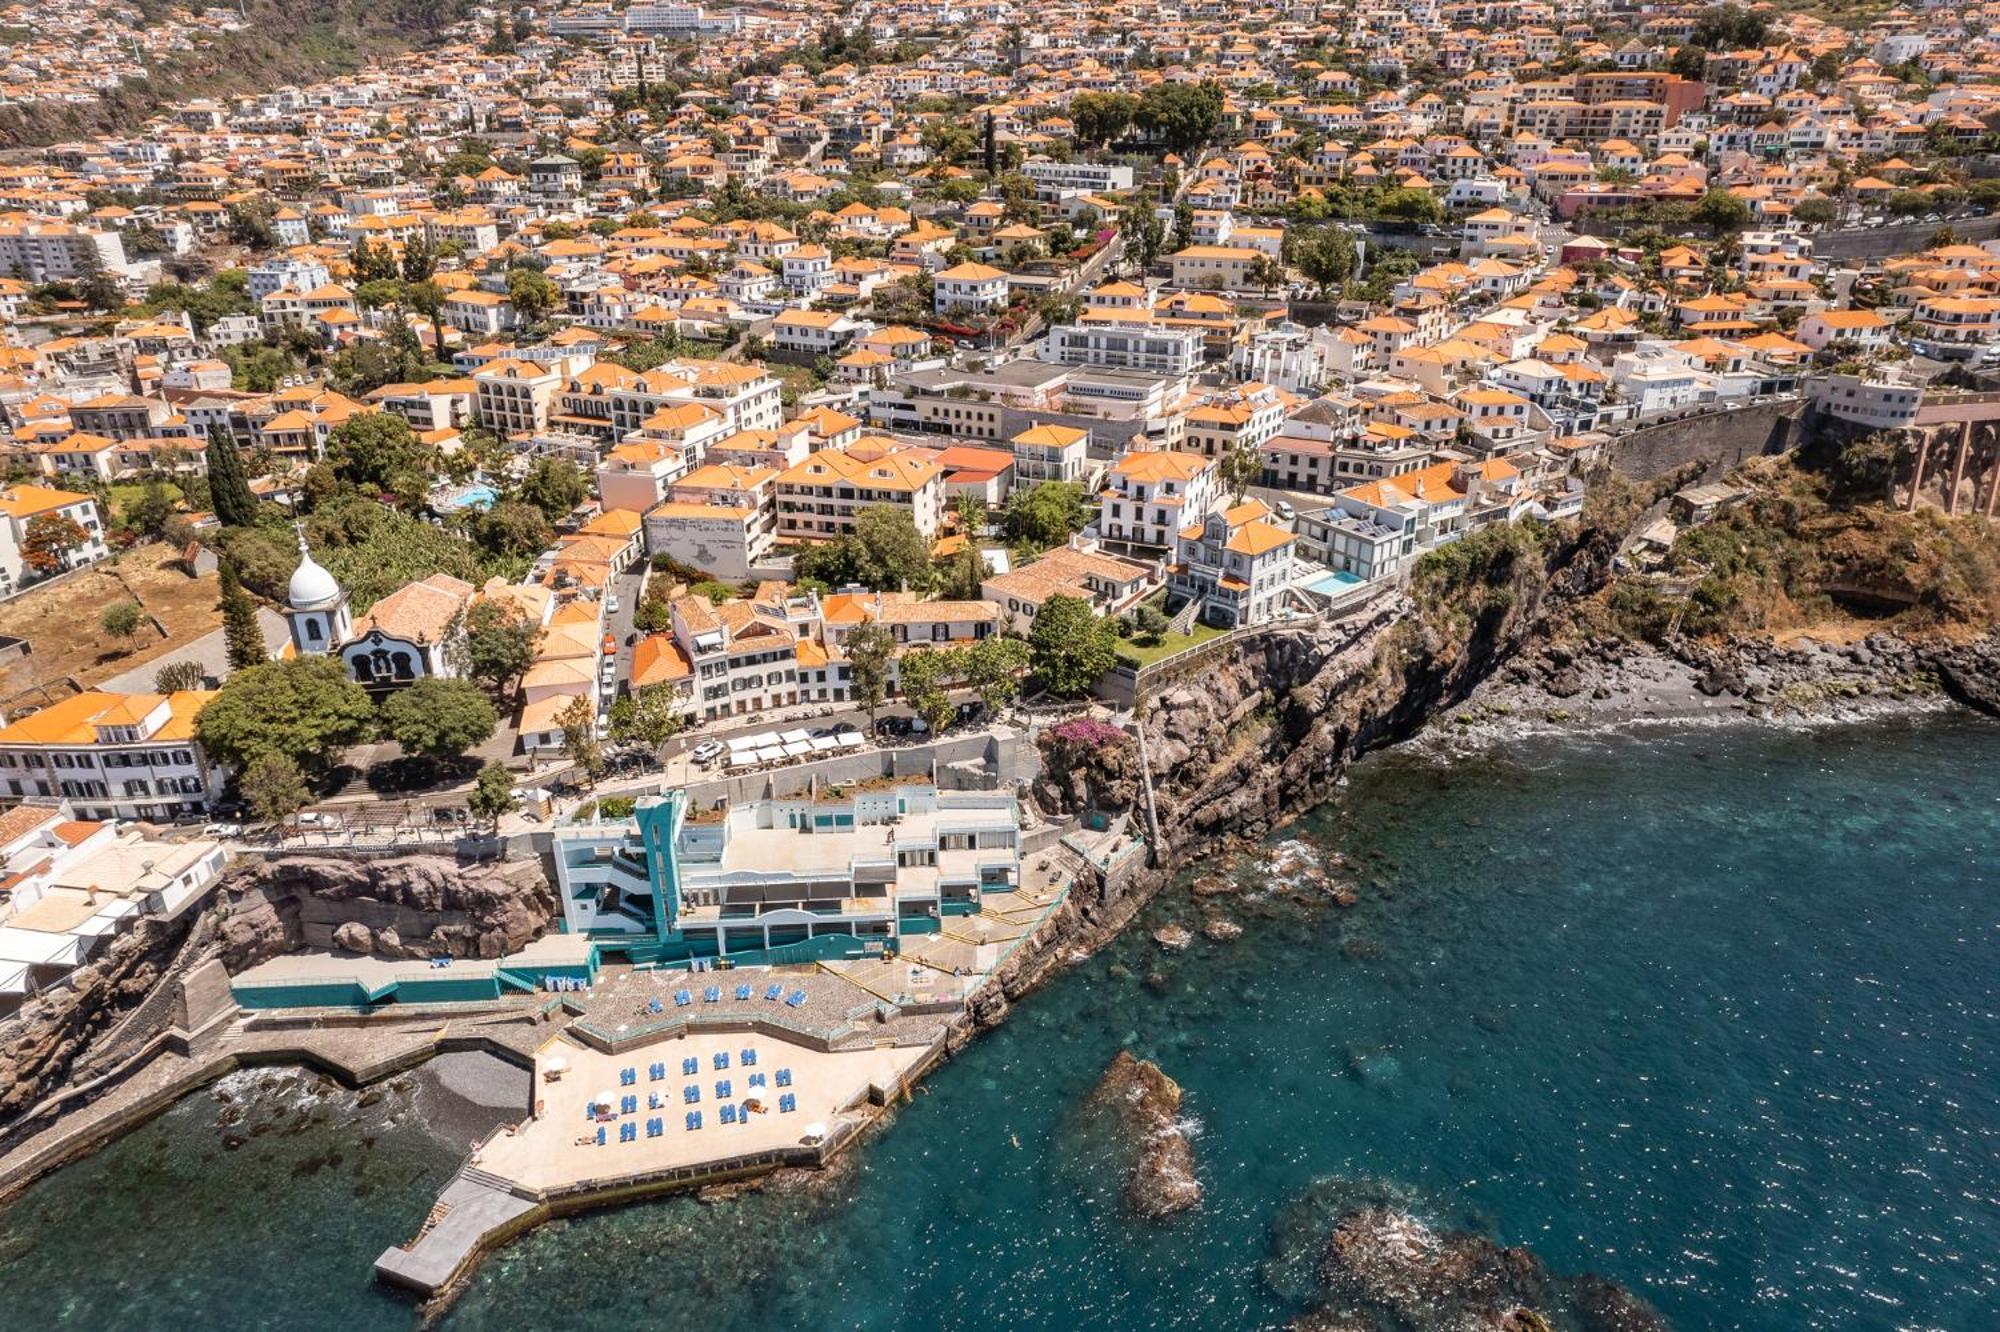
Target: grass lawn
x=1137, y=654
x=124, y=494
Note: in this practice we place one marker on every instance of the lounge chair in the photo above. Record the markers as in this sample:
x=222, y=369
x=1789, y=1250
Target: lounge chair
x=784, y=1078
x=722, y=1090
x=727, y=1115
x=774, y=992
x=693, y=1119
x=690, y=1066
x=690, y=1094
x=713, y=994
x=749, y=1058
x=722, y=1059
x=743, y=992
x=628, y=1105
x=787, y=1103
x=600, y=1135
x=756, y=1079
x=795, y=998
x=682, y=998
x=628, y=1132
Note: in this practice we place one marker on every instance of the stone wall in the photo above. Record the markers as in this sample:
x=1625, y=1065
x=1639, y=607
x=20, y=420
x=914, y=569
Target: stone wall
x=1720, y=439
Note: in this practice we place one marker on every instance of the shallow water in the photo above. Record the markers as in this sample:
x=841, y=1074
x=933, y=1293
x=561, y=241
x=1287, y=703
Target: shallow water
x=1712, y=1015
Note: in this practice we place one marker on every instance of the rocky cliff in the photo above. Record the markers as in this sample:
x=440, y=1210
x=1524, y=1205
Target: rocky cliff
x=41, y=1044
x=409, y=907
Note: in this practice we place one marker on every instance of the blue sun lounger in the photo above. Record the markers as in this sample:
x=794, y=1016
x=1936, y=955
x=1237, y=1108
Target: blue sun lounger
x=727, y=1115
x=694, y=1119
x=628, y=1131
x=775, y=993
x=756, y=1079
x=654, y=1128
x=690, y=1066
x=795, y=998
x=713, y=994
x=743, y=992
x=654, y=1005
x=682, y=998
x=784, y=1077
x=627, y=1076
x=690, y=1094
x=722, y=1090
x=787, y=1103
x=657, y=1072
x=722, y=1059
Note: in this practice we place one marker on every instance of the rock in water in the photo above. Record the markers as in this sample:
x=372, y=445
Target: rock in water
x=1173, y=938
x=1146, y=1105
x=1221, y=929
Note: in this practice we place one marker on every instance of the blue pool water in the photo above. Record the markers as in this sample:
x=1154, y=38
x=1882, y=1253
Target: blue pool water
x=1711, y=1015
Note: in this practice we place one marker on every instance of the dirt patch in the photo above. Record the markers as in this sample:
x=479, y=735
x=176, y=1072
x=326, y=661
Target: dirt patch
x=60, y=621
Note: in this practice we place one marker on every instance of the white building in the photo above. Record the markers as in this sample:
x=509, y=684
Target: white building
x=113, y=756
x=1163, y=350
x=1150, y=497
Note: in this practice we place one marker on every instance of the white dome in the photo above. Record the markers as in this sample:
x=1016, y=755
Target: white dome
x=312, y=588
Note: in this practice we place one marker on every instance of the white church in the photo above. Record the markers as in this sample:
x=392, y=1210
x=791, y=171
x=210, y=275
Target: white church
x=404, y=637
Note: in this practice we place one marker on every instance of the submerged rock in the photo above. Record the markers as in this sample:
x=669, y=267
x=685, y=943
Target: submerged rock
x=1221, y=930
x=1173, y=938
x=1144, y=1103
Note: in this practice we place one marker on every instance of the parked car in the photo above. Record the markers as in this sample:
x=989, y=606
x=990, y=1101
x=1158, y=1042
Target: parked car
x=611, y=606
x=223, y=830
x=708, y=751
x=312, y=818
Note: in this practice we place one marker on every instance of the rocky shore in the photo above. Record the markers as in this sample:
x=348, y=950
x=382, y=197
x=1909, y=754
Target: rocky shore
x=1610, y=684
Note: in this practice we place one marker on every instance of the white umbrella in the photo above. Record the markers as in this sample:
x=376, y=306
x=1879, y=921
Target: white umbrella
x=741, y=744
x=770, y=754
x=822, y=743
x=815, y=1133
x=606, y=1099
x=849, y=739
x=798, y=747
x=555, y=1064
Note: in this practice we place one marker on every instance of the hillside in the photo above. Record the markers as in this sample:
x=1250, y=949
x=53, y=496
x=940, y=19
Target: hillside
x=286, y=44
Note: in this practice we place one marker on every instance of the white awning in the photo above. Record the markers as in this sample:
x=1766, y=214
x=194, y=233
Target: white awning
x=796, y=737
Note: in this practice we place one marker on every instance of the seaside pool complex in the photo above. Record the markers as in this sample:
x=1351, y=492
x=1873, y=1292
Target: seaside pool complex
x=826, y=873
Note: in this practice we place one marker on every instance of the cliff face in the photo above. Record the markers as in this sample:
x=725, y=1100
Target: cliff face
x=1264, y=734
x=411, y=906
x=38, y=1048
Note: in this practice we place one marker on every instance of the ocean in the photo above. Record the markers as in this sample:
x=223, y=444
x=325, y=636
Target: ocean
x=1709, y=1013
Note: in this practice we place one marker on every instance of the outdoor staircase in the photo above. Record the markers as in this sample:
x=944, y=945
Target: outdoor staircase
x=1184, y=618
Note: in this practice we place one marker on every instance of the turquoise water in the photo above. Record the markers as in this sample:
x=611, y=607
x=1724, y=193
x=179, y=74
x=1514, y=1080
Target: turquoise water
x=1712, y=1016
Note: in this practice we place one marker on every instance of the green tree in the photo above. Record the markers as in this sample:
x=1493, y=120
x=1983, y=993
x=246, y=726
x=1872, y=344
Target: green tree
x=1241, y=466
x=1325, y=254
x=242, y=635
x=439, y=718
x=1722, y=211
x=377, y=451
x=147, y=512
x=122, y=620
x=511, y=528
x=531, y=294
x=1183, y=115
x=1143, y=232
x=498, y=645
x=893, y=553
x=923, y=674
x=493, y=794
x=1045, y=515
x=304, y=708
x=871, y=660
x=1101, y=117
x=553, y=485
x=579, y=737
x=228, y=488
x=1070, y=647
x=993, y=669
x=274, y=787
x=649, y=716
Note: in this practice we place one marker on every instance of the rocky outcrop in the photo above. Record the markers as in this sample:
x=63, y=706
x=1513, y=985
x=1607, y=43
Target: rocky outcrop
x=40, y=1045
x=406, y=907
x=1382, y=1266
x=1143, y=1106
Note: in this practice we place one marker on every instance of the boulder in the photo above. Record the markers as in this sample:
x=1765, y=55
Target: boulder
x=1221, y=929
x=354, y=937
x=1145, y=1104
x=1173, y=938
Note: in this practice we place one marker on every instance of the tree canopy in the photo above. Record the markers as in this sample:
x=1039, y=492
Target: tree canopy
x=304, y=708
x=1071, y=646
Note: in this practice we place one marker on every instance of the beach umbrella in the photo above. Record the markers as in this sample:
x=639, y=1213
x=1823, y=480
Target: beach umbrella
x=607, y=1099
x=556, y=1064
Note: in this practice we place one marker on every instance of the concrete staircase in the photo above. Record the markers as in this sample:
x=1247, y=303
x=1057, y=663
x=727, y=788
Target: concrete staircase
x=1184, y=618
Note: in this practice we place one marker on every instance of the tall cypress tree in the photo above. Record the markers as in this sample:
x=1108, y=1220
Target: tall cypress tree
x=228, y=488
x=240, y=630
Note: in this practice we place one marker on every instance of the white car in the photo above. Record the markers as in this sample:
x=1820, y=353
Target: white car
x=708, y=751
x=223, y=830
x=611, y=606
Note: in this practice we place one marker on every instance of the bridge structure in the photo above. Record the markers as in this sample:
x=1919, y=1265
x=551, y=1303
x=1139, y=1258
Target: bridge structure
x=1975, y=419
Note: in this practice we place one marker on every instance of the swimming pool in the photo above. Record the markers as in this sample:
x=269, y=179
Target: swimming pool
x=468, y=497
x=1333, y=584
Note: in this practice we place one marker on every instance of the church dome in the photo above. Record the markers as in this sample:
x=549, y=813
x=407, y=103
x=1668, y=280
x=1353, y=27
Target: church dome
x=312, y=587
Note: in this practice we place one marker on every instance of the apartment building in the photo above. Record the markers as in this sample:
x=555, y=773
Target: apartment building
x=1149, y=497
x=21, y=507
x=514, y=396
x=1165, y=350
x=113, y=756
x=819, y=499
x=744, y=654
x=1237, y=563
x=1050, y=453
